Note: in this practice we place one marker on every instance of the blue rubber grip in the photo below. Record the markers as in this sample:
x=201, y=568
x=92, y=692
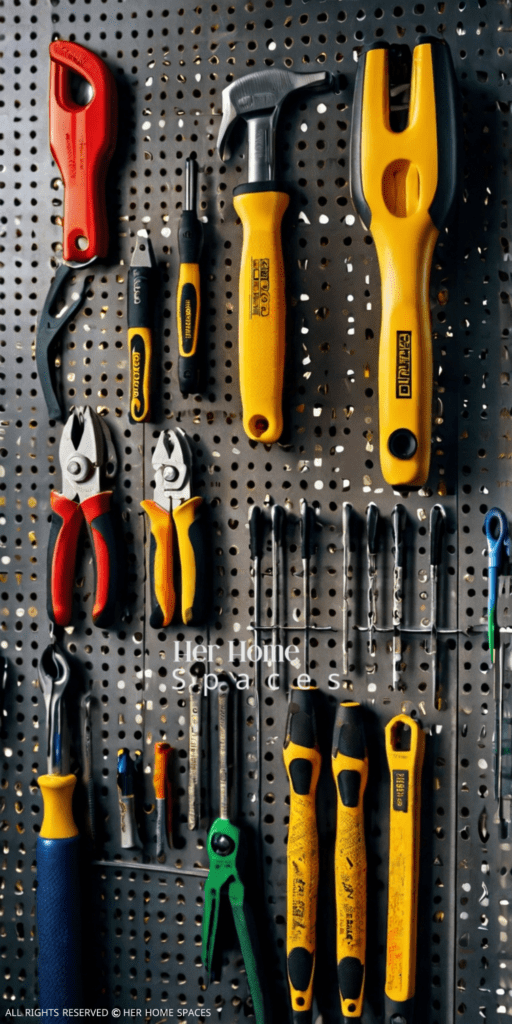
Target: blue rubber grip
x=58, y=924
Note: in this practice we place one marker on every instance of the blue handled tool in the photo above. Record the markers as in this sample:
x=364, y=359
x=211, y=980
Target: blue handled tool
x=58, y=887
x=498, y=541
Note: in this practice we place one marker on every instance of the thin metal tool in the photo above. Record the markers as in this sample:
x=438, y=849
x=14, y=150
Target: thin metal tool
x=256, y=532
x=398, y=519
x=307, y=525
x=499, y=687
x=4, y=675
x=345, y=539
x=372, y=522
x=498, y=547
x=277, y=524
x=437, y=525
x=126, y=794
x=194, y=746
x=87, y=778
x=54, y=673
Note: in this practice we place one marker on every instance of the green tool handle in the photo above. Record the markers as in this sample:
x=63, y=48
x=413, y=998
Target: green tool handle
x=247, y=937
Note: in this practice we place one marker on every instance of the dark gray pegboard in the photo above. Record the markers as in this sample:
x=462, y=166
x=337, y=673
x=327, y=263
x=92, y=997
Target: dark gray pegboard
x=171, y=64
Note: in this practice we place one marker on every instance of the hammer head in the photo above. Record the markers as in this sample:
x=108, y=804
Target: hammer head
x=262, y=93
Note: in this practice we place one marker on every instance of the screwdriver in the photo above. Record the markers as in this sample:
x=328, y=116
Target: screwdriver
x=372, y=522
x=345, y=539
x=398, y=524
x=277, y=520
x=405, y=747
x=163, y=795
x=194, y=747
x=58, y=854
x=307, y=524
x=140, y=344
x=188, y=299
x=87, y=778
x=350, y=772
x=437, y=524
x=126, y=794
x=302, y=762
x=498, y=546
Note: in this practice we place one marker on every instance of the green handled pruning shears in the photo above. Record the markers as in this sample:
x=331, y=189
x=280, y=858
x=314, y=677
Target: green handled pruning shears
x=226, y=850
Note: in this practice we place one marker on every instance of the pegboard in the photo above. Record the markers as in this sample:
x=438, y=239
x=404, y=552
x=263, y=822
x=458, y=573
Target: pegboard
x=142, y=923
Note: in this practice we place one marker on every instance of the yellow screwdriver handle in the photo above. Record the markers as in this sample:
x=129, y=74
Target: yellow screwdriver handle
x=405, y=746
x=262, y=312
x=403, y=185
x=302, y=761
x=350, y=771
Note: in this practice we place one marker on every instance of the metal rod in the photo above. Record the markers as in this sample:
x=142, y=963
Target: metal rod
x=190, y=184
x=223, y=691
x=345, y=534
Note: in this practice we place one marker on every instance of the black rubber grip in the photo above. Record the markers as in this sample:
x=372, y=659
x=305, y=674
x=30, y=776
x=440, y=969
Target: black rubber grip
x=256, y=526
x=140, y=298
x=300, y=966
x=156, y=618
x=449, y=131
x=301, y=724
x=105, y=527
x=307, y=527
x=190, y=237
x=350, y=977
x=190, y=373
x=301, y=773
x=348, y=737
x=349, y=785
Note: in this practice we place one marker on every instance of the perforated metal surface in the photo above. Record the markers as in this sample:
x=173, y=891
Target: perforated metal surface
x=171, y=64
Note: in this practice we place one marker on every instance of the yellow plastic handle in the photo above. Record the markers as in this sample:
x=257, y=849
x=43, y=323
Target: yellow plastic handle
x=350, y=776
x=188, y=308
x=58, y=821
x=302, y=877
x=405, y=767
x=140, y=347
x=262, y=313
x=399, y=179
x=161, y=567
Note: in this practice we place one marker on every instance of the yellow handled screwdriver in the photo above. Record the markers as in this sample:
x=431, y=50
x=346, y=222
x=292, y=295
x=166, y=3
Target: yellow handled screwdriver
x=188, y=299
x=140, y=341
x=403, y=186
x=405, y=747
x=350, y=771
x=258, y=99
x=302, y=761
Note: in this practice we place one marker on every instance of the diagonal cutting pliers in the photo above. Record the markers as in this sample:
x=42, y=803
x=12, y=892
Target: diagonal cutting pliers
x=87, y=458
x=177, y=527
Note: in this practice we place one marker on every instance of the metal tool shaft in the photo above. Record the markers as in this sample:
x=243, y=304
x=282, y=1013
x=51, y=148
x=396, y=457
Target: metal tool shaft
x=194, y=757
x=223, y=750
x=398, y=520
x=345, y=538
x=190, y=184
x=372, y=520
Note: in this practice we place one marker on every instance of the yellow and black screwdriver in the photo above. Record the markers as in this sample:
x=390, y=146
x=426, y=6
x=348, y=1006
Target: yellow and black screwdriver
x=350, y=772
x=302, y=761
x=140, y=343
x=188, y=299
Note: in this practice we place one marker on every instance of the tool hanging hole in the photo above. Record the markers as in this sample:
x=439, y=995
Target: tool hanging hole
x=82, y=243
x=81, y=90
x=401, y=188
x=258, y=425
x=402, y=443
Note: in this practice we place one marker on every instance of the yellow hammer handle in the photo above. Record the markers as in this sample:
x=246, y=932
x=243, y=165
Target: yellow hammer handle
x=161, y=567
x=405, y=744
x=350, y=772
x=262, y=312
x=302, y=762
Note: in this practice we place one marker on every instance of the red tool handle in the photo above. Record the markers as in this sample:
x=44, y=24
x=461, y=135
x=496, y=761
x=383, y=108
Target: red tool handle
x=96, y=510
x=82, y=141
x=65, y=527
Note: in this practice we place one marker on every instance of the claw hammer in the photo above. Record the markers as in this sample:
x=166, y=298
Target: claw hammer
x=258, y=99
x=403, y=186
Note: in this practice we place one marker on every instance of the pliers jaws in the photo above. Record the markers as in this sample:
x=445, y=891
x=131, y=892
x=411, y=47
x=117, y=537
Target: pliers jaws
x=177, y=524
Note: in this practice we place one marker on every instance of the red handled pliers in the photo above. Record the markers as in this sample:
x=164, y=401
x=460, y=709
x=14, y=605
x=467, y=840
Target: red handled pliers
x=87, y=458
